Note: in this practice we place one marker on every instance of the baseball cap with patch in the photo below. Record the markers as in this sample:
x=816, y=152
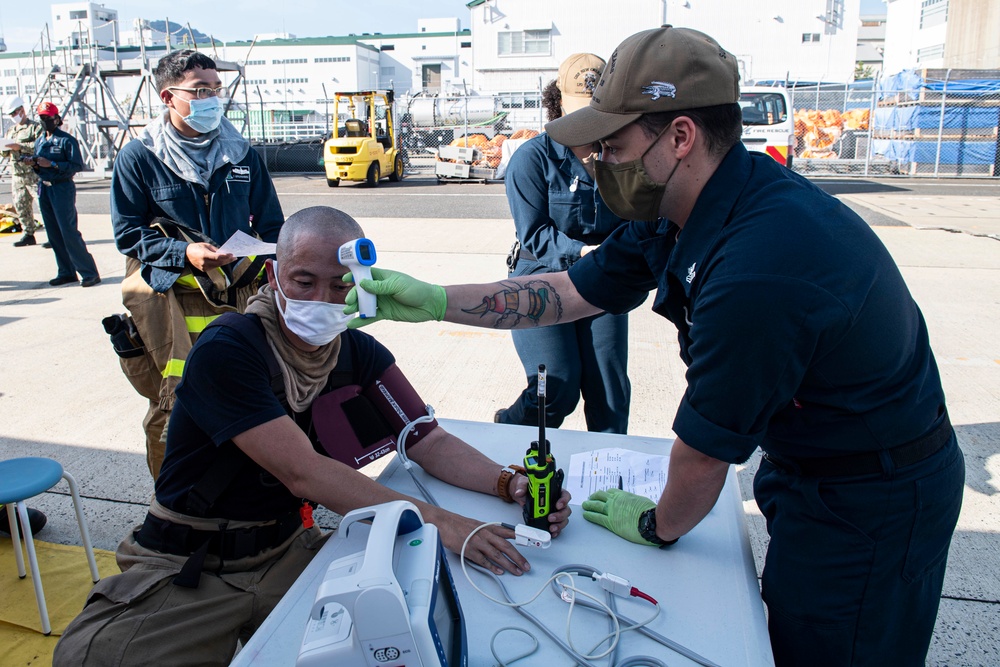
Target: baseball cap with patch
x=47, y=109
x=577, y=80
x=666, y=69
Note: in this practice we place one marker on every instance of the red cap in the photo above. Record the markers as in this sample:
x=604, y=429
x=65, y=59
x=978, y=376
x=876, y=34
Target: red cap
x=47, y=109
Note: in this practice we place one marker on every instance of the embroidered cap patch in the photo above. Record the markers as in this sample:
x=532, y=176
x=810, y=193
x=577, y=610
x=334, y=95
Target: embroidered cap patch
x=658, y=89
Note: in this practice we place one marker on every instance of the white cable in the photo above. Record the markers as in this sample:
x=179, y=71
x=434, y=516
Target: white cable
x=493, y=649
x=401, y=453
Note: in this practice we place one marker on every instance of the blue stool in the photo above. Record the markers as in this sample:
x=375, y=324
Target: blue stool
x=25, y=478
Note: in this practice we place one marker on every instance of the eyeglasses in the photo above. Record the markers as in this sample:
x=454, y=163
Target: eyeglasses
x=204, y=93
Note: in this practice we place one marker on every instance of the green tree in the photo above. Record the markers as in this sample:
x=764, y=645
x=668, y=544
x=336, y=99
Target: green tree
x=862, y=71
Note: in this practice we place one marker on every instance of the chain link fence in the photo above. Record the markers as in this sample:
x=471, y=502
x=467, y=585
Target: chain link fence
x=937, y=123
x=932, y=123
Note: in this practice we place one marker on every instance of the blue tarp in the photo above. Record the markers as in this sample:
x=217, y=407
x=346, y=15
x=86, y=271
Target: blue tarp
x=952, y=152
x=909, y=81
x=964, y=118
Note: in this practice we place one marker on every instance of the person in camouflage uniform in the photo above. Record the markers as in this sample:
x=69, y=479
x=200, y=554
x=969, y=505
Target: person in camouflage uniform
x=24, y=181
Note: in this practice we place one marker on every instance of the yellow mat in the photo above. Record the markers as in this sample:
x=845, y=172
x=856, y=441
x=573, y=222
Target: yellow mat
x=66, y=582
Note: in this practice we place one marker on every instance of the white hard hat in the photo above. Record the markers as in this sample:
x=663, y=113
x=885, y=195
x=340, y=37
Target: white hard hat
x=12, y=104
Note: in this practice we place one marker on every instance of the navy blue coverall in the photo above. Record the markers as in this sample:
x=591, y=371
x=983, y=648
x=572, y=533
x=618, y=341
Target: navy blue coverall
x=57, y=201
x=557, y=211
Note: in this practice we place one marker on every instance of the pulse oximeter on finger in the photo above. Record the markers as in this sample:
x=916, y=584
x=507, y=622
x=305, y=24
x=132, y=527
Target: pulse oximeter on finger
x=359, y=256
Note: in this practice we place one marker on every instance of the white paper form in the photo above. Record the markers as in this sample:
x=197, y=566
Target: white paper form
x=600, y=469
x=7, y=144
x=242, y=244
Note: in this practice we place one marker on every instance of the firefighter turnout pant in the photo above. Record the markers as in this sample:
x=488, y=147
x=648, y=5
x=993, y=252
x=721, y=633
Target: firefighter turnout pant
x=168, y=324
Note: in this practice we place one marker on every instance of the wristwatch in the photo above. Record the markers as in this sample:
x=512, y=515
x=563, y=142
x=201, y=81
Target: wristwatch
x=647, y=528
x=503, y=482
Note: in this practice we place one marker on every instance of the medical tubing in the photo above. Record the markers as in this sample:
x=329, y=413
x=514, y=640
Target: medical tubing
x=401, y=453
x=580, y=660
x=588, y=571
x=493, y=650
x=610, y=608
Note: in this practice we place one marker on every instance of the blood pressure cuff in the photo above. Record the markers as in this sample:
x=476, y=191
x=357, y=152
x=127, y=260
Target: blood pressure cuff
x=358, y=425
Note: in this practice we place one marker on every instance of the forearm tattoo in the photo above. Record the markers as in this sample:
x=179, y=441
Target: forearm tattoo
x=516, y=302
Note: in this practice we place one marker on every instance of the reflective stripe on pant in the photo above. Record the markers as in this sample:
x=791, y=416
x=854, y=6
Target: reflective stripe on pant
x=855, y=565
x=168, y=324
x=58, y=205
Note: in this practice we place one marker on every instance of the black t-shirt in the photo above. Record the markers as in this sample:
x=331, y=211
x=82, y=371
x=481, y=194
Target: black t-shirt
x=226, y=390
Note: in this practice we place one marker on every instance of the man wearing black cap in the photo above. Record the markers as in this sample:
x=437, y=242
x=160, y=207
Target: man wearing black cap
x=800, y=338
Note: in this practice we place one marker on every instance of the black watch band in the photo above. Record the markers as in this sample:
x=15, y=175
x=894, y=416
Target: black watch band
x=647, y=528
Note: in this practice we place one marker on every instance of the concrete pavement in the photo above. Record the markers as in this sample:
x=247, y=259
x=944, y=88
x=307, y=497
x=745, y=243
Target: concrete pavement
x=62, y=394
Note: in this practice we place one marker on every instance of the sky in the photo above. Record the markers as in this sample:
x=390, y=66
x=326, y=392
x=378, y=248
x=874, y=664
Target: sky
x=22, y=23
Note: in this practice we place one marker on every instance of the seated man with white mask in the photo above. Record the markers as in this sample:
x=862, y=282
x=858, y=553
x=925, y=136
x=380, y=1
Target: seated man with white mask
x=276, y=411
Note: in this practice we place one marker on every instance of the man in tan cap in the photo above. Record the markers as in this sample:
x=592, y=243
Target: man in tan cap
x=559, y=217
x=800, y=338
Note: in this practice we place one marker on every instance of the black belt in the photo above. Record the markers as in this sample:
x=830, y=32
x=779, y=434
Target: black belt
x=228, y=543
x=866, y=463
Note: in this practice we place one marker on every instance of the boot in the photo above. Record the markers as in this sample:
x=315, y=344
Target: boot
x=35, y=518
x=27, y=239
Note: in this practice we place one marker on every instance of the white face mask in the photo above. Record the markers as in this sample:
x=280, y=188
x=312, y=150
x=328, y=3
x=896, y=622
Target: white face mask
x=18, y=119
x=315, y=322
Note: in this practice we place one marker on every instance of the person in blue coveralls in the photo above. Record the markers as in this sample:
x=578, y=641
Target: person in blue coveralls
x=800, y=337
x=57, y=158
x=560, y=217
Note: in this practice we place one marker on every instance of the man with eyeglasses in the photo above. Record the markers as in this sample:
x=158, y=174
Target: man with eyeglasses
x=179, y=191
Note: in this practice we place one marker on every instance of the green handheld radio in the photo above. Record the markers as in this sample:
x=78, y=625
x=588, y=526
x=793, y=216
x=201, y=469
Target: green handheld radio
x=544, y=481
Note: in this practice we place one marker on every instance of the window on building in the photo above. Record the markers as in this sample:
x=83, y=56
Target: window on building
x=810, y=37
x=289, y=61
x=929, y=53
x=387, y=47
x=10, y=72
x=933, y=12
x=337, y=59
x=295, y=80
x=256, y=62
x=527, y=42
x=11, y=90
x=29, y=90
x=78, y=14
x=466, y=45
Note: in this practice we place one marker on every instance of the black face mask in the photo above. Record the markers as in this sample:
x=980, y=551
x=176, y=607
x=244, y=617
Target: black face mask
x=49, y=123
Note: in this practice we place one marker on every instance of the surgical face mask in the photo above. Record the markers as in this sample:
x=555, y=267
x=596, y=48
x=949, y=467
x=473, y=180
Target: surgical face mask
x=315, y=322
x=17, y=118
x=205, y=114
x=628, y=190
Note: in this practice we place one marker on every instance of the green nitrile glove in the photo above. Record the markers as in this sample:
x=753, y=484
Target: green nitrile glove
x=401, y=298
x=618, y=511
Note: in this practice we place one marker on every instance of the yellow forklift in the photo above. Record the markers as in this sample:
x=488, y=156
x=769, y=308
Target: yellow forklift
x=363, y=146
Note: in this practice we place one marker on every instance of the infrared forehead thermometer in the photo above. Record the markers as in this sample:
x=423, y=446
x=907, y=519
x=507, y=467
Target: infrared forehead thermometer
x=359, y=256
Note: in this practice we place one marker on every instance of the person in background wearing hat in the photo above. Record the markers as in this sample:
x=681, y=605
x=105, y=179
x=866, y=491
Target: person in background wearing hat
x=57, y=158
x=23, y=133
x=559, y=217
x=800, y=337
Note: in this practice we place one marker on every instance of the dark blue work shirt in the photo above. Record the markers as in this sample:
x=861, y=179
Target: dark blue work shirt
x=556, y=207
x=63, y=150
x=240, y=197
x=798, y=331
